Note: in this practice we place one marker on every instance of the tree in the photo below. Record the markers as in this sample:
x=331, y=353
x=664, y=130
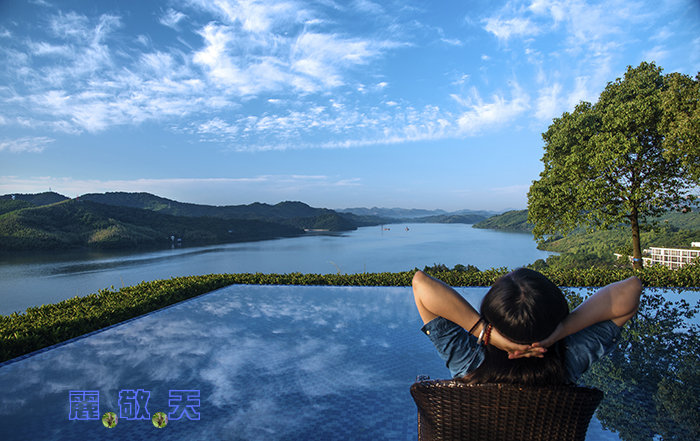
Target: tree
x=621, y=161
x=681, y=120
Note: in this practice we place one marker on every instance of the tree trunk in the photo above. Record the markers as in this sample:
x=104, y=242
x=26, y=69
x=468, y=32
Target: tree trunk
x=636, y=245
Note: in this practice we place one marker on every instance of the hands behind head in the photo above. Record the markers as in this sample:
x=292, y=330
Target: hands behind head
x=516, y=350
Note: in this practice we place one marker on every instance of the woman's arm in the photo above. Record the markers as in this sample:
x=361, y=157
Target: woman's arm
x=618, y=302
x=434, y=298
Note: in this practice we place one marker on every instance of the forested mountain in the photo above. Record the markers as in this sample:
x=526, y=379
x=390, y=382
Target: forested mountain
x=37, y=200
x=515, y=220
x=124, y=220
x=294, y=213
x=673, y=229
x=7, y=205
x=80, y=223
x=257, y=210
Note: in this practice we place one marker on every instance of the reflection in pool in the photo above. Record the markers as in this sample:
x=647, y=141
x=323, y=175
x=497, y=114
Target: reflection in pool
x=270, y=362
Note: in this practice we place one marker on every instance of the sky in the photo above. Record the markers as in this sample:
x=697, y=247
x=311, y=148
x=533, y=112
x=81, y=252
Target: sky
x=354, y=103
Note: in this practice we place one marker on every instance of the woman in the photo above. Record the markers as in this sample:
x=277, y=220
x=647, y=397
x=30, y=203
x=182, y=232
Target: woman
x=525, y=333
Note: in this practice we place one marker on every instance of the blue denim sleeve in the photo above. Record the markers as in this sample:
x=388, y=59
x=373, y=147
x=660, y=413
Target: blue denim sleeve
x=589, y=345
x=456, y=346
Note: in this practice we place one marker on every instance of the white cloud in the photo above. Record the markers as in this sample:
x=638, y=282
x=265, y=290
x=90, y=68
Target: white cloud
x=582, y=91
x=171, y=18
x=548, y=103
x=657, y=54
x=43, y=48
x=452, y=41
x=218, y=126
x=255, y=48
x=70, y=25
x=481, y=115
x=514, y=27
x=368, y=6
x=32, y=144
x=256, y=16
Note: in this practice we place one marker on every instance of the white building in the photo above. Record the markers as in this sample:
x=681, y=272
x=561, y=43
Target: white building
x=673, y=258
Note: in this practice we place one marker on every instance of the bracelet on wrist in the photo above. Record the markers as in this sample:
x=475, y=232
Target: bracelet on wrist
x=487, y=336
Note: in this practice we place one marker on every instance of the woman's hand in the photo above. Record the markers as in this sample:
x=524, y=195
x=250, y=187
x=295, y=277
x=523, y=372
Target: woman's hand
x=538, y=348
x=515, y=350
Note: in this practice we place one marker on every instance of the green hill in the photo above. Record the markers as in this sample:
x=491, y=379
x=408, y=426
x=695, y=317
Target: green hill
x=297, y=214
x=37, y=199
x=87, y=224
x=147, y=201
x=450, y=219
x=7, y=205
x=673, y=229
x=514, y=220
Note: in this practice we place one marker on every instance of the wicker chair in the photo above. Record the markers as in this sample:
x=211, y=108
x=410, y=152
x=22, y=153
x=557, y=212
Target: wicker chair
x=452, y=410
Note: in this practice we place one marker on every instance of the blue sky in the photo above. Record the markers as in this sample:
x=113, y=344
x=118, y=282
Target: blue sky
x=413, y=104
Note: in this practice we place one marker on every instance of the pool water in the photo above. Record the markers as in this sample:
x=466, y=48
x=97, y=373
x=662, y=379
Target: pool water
x=269, y=362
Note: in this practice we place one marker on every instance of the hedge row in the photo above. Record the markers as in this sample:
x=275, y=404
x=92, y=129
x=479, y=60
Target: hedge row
x=46, y=325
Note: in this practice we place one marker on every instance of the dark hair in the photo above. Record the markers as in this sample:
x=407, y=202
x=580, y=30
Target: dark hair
x=525, y=307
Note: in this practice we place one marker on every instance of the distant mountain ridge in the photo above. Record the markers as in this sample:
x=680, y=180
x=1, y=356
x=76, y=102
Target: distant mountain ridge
x=411, y=213
x=293, y=213
x=451, y=219
x=257, y=210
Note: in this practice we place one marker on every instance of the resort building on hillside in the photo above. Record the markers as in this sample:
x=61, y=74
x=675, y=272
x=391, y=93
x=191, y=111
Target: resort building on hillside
x=673, y=258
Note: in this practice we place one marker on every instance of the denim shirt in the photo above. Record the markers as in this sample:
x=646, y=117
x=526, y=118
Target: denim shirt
x=461, y=354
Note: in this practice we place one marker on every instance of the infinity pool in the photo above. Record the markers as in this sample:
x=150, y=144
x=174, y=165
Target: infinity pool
x=268, y=362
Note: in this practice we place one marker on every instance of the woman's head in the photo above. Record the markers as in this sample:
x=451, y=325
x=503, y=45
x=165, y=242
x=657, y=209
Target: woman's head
x=524, y=306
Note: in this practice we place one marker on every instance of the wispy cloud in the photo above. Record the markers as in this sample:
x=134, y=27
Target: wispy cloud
x=171, y=18
x=264, y=74
x=549, y=102
x=498, y=111
x=504, y=29
x=29, y=144
x=347, y=126
x=254, y=49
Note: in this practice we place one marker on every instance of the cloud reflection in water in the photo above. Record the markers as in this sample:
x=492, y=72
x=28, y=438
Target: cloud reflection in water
x=272, y=362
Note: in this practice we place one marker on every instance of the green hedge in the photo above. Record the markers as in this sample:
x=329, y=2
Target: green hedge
x=46, y=325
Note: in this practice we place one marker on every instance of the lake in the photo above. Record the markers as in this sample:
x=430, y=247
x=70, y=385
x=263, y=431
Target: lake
x=301, y=362
x=41, y=278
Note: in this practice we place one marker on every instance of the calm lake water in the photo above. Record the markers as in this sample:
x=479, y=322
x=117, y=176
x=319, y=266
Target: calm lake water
x=31, y=280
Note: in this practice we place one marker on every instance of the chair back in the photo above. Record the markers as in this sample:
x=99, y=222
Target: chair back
x=453, y=410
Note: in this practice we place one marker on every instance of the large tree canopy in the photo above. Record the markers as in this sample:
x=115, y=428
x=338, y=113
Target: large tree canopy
x=632, y=155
